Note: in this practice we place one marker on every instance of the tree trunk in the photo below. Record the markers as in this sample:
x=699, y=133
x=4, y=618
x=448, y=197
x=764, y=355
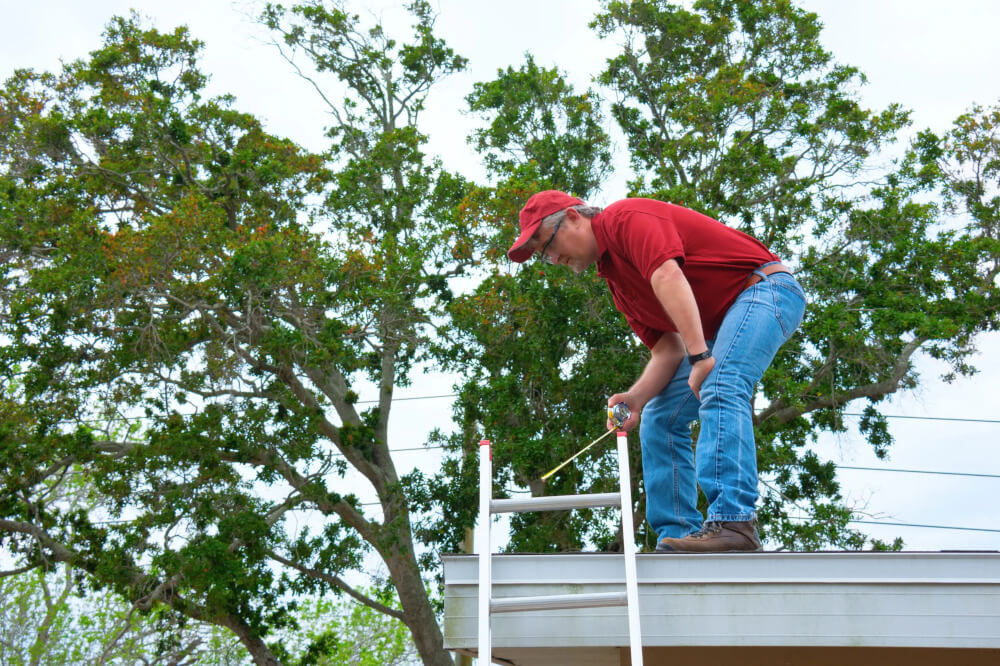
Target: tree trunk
x=468, y=546
x=262, y=656
x=420, y=619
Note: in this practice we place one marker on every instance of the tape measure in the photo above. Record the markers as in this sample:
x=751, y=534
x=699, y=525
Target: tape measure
x=618, y=415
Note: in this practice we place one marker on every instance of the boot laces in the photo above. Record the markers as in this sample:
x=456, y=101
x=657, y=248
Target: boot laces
x=711, y=527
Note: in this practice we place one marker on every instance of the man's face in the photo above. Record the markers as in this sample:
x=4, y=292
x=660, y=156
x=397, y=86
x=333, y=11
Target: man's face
x=563, y=244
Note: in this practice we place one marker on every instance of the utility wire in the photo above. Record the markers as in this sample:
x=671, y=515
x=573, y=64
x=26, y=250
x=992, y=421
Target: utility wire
x=858, y=414
x=852, y=467
x=930, y=418
x=849, y=467
x=416, y=397
x=932, y=527
x=919, y=471
x=863, y=522
x=455, y=395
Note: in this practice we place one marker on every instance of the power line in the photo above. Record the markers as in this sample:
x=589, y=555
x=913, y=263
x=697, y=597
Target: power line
x=930, y=418
x=869, y=469
x=919, y=471
x=931, y=527
x=439, y=396
x=850, y=467
x=862, y=522
x=415, y=397
x=857, y=414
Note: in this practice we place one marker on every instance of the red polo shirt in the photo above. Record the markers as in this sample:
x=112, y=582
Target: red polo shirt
x=635, y=237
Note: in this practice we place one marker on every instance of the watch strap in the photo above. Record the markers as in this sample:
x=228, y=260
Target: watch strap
x=694, y=358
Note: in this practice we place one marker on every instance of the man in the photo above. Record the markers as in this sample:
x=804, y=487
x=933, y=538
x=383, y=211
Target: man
x=713, y=305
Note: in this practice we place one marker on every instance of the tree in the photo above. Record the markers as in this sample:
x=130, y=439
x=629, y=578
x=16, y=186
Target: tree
x=536, y=350
x=969, y=159
x=56, y=617
x=179, y=329
x=343, y=631
x=47, y=617
x=52, y=613
x=735, y=109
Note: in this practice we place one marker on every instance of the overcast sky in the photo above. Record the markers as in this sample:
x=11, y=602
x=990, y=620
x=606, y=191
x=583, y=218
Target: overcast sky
x=934, y=58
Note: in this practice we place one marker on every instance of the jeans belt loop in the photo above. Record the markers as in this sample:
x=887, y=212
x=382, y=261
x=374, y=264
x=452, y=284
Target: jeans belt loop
x=762, y=272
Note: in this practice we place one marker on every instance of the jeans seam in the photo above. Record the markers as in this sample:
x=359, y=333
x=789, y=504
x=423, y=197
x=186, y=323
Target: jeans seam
x=673, y=453
x=674, y=474
x=793, y=288
x=730, y=517
x=719, y=419
x=782, y=324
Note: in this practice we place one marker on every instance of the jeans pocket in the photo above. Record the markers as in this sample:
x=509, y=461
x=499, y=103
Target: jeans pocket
x=789, y=304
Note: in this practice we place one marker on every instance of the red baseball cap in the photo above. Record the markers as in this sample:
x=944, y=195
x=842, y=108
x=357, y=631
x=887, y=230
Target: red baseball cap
x=538, y=207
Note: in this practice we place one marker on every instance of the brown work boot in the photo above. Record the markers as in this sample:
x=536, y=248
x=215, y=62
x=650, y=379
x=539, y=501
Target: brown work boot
x=715, y=537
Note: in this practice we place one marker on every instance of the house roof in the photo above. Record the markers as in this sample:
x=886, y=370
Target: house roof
x=934, y=600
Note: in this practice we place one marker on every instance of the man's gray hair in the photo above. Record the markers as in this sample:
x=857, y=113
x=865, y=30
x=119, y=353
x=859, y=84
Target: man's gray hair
x=555, y=218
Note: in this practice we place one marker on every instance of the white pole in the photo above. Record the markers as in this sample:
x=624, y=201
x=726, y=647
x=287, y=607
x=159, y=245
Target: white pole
x=628, y=546
x=485, y=550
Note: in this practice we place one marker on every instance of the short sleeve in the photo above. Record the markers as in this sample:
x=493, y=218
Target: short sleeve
x=648, y=335
x=647, y=240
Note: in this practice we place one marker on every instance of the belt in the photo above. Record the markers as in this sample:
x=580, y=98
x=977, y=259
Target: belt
x=770, y=269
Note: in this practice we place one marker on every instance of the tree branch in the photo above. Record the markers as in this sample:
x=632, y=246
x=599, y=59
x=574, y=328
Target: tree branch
x=784, y=414
x=339, y=583
x=51, y=610
x=21, y=570
x=58, y=551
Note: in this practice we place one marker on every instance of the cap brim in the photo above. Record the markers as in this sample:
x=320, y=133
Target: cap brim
x=521, y=250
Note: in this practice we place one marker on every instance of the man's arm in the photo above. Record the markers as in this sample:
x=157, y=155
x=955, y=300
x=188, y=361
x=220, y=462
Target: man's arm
x=666, y=355
x=675, y=295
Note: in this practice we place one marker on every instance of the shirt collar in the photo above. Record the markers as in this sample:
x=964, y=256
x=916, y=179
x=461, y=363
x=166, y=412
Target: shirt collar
x=600, y=235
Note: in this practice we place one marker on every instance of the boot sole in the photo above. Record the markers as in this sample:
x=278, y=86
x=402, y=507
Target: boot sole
x=707, y=552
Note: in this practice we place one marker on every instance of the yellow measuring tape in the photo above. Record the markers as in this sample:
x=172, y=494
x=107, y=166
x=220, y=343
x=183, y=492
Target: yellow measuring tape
x=563, y=464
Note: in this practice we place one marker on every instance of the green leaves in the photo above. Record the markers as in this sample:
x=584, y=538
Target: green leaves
x=385, y=82
x=188, y=304
x=736, y=109
x=537, y=349
x=539, y=128
x=208, y=295
x=51, y=616
x=973, y=166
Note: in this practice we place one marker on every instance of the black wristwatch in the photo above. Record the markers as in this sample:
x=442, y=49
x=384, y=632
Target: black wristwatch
x=694, y=358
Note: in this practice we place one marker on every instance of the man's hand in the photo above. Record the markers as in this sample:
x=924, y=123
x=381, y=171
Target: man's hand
x=634, y=406
x=699, y=371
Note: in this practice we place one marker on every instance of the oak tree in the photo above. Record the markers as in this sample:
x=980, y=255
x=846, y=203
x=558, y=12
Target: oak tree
x=190, y=307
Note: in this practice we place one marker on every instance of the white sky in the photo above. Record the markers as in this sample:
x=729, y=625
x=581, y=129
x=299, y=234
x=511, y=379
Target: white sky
x=935, y=58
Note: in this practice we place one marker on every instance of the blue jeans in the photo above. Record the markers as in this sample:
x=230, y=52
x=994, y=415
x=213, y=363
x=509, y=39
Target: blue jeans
x=761, y=319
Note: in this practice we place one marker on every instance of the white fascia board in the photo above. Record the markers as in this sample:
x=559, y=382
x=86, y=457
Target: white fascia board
x=769, y=599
